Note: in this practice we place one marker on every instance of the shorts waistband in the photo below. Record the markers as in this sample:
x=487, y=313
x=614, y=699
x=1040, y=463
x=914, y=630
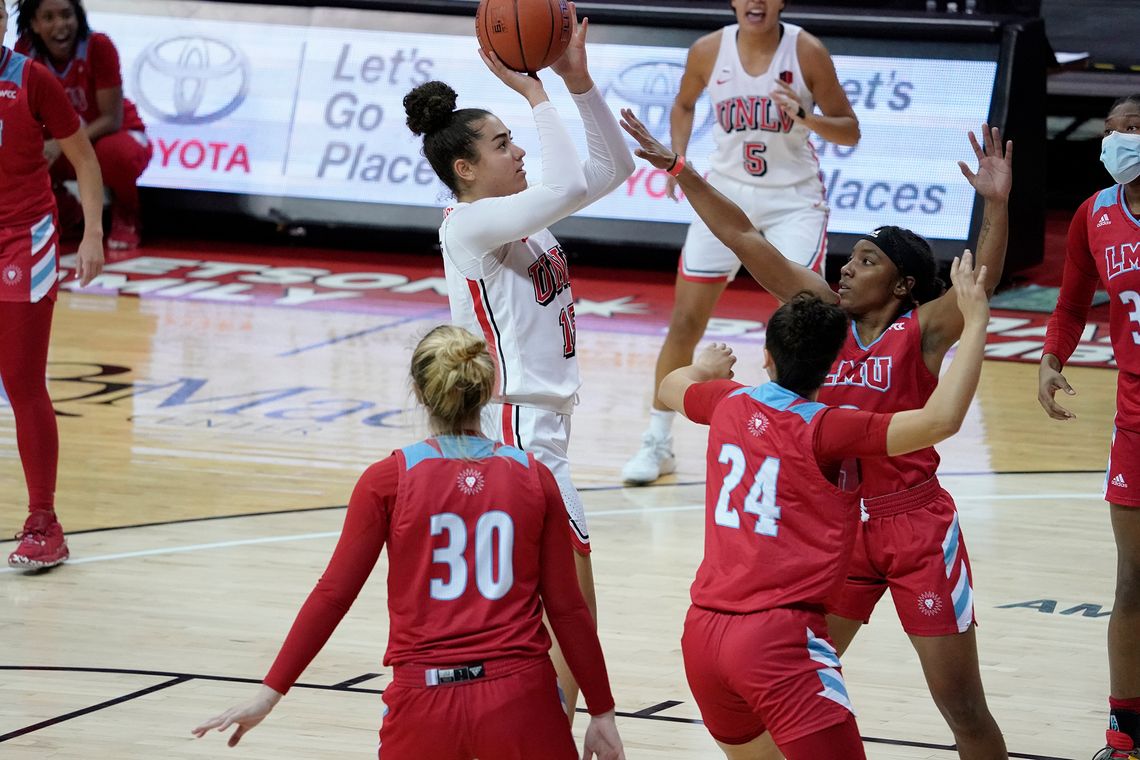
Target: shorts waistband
x=416, y=676
x=902, y=501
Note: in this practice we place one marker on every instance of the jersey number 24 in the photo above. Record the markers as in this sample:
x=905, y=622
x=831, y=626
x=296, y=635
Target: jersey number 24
x=761, y=498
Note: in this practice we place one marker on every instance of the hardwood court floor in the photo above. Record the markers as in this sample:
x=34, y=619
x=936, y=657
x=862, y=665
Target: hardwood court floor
x=207, y=443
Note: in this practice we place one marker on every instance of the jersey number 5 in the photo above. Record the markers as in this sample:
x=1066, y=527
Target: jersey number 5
x=486, y=557
x=761, y=498
x=754, y=161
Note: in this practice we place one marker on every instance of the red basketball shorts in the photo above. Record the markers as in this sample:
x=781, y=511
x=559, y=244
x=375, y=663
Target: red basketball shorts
x=912, y=544
x=774, y=671
x=514, y=712
x=29, y=268
x=1122, y=477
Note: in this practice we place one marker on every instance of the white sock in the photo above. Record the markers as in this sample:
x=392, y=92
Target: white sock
x=661, y=423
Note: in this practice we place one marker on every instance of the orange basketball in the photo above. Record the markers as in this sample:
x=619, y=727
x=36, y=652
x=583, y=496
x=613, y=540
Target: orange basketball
x=527, y=35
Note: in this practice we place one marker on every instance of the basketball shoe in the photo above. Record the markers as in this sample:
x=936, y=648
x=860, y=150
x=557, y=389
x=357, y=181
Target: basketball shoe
x=42, y=543
x=654, y=459
x=124, y=235
x=1120, y=747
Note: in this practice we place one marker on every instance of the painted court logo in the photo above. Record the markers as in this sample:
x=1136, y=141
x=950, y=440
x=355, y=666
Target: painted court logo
x=758, y=424
x=470, y=482
x=929, y=603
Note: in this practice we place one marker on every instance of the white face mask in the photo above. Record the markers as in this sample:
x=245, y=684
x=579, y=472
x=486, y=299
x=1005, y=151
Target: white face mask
x=1120, y=154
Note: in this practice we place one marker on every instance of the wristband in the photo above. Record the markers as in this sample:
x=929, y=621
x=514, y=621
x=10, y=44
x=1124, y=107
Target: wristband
x=800, y=114
x=677, y=166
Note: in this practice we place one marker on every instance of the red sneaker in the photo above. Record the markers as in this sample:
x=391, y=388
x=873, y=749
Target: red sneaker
x=42, y=543
x=1120, y=747
x=124, y=234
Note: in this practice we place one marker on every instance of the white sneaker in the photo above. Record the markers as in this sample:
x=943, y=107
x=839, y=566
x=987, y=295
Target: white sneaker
x=654, y=459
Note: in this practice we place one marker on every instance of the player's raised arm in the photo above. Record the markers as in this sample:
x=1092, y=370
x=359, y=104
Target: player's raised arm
x=941, y=320
x=780, y=277
x=609, y=162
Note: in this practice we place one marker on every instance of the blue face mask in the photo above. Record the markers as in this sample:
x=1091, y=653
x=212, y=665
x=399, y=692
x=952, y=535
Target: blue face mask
x=1120, y=154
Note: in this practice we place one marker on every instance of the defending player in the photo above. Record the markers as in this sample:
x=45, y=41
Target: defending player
x=763, y=162
x=477, y=546
x=901, y=328
x=31, y=100
x=506, y=274
x=780, y=523
x=1104, y=251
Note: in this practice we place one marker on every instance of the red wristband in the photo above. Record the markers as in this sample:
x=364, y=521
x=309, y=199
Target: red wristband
x=678, y=165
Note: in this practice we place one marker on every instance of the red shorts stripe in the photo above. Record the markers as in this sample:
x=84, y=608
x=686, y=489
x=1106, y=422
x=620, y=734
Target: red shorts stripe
x=816, y=264
x=483, y=316
x=710, y=278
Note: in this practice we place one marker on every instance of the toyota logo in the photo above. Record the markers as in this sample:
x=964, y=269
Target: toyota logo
x=649, y=89
x=191, y=80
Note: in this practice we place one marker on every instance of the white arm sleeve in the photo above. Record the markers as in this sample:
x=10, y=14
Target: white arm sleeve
x=475, y=231
x=610, y=162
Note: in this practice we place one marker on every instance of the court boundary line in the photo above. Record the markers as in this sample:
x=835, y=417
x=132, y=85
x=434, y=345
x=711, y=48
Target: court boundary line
x=177, y=679
x=636, y=512
x=587, y=489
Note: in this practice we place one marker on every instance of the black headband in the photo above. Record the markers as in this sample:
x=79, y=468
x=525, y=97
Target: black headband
x=898, y=249
x=911, y=259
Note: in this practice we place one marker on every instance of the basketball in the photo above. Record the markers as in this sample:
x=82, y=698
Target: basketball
x=527, y=35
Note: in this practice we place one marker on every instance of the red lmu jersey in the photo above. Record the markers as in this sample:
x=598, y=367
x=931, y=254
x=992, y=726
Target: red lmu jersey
x=777, y=532
x=1103, y=250
x=478, y=547
x=889, y=375
x=94, y=67
x=30, y=100
x=463, y=572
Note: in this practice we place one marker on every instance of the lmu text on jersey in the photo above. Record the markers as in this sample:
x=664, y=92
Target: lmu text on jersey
x=874, y=372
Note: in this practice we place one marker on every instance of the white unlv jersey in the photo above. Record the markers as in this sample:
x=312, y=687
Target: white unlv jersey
x=755, y=142
x=524, y=309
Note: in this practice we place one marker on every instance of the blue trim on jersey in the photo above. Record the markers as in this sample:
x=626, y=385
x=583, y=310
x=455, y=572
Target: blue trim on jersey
x=1106, y=198
x=419, y=452
x=465, y=446
x=14, y=68
x=859, y=343
x=1125, y=207
x=40, y=232
x=781, y=399
x=510, y=452
x=44, y=274
x=821, y=652
x=950, y=545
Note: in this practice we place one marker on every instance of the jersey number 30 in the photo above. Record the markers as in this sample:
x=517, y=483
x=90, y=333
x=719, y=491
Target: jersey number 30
x=490, y=585
x=761, y=498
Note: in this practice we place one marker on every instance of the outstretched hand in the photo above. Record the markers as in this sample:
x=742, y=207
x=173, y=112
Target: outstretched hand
x=651, y=150
x=571, y=65
x=245, y=717
x=970, y=287
x=994, y=177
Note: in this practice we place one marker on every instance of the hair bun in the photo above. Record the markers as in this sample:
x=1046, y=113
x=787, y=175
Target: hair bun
x=429, y=107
